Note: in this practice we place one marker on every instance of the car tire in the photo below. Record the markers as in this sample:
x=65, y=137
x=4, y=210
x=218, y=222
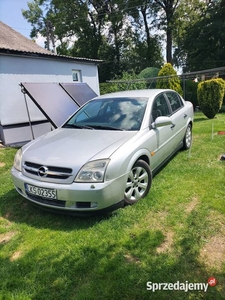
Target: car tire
x=187, y=138
x=138, y=182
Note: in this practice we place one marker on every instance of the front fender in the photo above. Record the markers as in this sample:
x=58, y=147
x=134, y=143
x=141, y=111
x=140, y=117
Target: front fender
x=120, y=166
x=137, y=155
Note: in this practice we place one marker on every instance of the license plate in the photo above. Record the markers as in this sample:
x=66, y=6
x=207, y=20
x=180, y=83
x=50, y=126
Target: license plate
x=41, y=192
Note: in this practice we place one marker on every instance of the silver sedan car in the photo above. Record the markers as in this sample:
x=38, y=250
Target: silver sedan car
x=105, y=155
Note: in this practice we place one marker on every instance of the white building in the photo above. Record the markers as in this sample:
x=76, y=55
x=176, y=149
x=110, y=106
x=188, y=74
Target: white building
x=23, y=61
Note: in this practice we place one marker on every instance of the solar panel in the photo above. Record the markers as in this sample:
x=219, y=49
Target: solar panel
x=52, y=100
x=80, y=92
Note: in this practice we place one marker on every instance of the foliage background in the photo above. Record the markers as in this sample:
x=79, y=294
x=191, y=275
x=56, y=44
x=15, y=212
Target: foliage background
x=131, y=35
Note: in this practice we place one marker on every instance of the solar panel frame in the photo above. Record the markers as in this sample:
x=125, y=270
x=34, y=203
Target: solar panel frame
x=52, y=100
x=80, y=92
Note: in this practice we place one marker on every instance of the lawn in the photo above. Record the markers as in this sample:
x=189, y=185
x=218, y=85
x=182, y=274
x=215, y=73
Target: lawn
x=175, y=235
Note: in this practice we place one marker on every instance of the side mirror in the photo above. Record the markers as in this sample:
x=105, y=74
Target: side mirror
x=162, y=121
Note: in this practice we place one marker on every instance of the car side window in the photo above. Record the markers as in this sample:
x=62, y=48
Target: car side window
x=175, y=101
x=160, y=107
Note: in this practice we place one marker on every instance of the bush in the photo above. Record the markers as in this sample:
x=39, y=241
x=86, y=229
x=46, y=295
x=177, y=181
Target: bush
x=222, y=109
x=127, y=83
x=169, y=83
x=106, y=88
x=191, y=92
x=149, y=73
x=130, y=84
x=210, y=96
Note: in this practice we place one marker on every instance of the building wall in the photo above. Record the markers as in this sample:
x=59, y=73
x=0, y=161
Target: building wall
x=14, y=70
x=17, y=69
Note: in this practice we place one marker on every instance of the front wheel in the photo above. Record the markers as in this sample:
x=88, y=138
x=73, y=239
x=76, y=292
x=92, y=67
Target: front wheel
x=187, y=138
x=138, y=182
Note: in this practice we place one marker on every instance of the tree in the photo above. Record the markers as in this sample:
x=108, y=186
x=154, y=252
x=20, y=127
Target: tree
x=95, y=29
x=71, y=22
x=148, y=45
x=41, y=23
x=201, y=44
x=167, y=23
x=80, y=27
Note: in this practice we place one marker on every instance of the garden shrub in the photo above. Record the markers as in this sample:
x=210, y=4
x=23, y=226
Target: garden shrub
x=210, y=96
x=149, y=73
x=191, y=92
x=130, y=84
x=127, y=83
x=169, y=83
x=222, y=109
x=106, y=87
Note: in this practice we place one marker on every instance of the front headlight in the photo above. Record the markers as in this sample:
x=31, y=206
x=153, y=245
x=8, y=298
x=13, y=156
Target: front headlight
x=93, y=171
x=17, y=160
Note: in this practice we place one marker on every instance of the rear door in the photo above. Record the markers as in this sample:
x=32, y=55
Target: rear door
x=178, y=117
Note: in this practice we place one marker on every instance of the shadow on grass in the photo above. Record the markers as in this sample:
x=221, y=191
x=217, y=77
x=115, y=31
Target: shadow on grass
x=112, y=270
x=17, y=209
x=199, y=119
x=96, y=266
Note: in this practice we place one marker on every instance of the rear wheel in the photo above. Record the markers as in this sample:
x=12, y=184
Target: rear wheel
x=187, y=138
x=138, y=182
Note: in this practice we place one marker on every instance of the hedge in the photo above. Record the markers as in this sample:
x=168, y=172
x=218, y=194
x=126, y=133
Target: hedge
x=210, y=95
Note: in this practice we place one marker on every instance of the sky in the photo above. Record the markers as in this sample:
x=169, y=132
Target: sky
x=11, y=15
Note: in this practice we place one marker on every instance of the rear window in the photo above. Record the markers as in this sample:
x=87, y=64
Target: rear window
x=175, y=101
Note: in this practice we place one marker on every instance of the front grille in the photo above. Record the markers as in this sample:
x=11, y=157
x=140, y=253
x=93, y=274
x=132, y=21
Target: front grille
x=47, y=171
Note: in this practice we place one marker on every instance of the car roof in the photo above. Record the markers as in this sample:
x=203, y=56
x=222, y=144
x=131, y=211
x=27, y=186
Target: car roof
x=149, y=93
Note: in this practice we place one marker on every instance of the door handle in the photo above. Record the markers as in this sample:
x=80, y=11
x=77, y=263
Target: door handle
x=185, y=116
x=172, y=126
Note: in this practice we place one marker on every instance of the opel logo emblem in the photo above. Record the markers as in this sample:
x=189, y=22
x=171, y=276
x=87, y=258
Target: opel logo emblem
x=43, y=171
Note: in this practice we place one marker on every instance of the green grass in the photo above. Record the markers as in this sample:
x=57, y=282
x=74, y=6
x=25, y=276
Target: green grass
x=175, y=234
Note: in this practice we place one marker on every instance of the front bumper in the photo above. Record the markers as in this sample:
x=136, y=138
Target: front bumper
x=80, y=198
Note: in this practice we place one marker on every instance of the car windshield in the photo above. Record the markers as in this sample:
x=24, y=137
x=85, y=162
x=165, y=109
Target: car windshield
x=110, y=114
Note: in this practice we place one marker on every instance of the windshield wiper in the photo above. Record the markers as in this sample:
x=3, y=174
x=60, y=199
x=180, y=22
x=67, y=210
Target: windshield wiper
x=92, y=127
x=78, y=126
x=105, y=127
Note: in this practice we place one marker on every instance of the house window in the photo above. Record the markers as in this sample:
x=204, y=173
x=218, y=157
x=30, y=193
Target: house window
x=76, y=75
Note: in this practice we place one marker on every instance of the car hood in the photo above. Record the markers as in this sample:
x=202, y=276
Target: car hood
x=74, y=147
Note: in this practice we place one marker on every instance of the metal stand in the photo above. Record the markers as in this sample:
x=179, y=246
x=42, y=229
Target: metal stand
x=28, y=114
